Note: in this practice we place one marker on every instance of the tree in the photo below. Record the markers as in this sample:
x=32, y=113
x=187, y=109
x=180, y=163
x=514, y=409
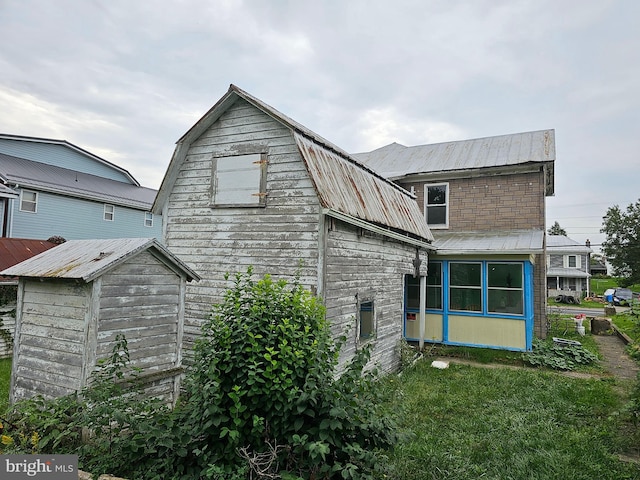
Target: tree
x=556, y=229
x=622, y=246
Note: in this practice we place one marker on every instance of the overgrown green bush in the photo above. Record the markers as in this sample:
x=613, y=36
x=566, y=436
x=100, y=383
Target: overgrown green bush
x=265, y=396
x=265, y=382
x=558, y=357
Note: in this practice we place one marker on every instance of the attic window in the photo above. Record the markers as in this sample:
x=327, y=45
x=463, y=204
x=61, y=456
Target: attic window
x=239, y=181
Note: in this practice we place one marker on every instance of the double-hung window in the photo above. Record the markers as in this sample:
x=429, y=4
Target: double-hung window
x=109, y=212
x=29, y=201
x=148, y=219
x=436, y=205
x=239, y=181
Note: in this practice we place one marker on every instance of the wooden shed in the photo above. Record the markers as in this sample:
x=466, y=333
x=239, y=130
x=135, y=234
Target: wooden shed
x=249, y=186
x=75, y=298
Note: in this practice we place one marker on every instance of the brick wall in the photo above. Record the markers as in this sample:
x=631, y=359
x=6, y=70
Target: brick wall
x=501, y=202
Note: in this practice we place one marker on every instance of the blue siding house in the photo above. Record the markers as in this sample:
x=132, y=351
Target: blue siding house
x=54, y=188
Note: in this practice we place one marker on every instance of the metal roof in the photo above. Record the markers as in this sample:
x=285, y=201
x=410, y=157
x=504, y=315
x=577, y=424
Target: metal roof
x=45, y=177
x=88, y=259
x=396, y=161
x=511, y=242
x=567, y=272
x=561, y=243
x=16, y=250
x=71, y=146
x=343, y=184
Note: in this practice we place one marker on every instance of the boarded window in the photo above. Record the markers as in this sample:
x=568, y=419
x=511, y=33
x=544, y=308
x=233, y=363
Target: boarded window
x=239, y=181
x=29, y=201
x=367, y=320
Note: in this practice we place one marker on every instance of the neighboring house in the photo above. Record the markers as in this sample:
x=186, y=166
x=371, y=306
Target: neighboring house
x=484, y=200
x=567, y=267
x=248, y=186
x=54, y=188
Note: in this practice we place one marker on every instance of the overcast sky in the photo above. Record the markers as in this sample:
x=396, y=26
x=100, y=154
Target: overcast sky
x=125, y=79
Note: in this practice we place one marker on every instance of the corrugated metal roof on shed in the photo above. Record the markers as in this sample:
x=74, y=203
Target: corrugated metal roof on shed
x=396, y=161
x=347, y=187
x=16, y=250
x=88, y=259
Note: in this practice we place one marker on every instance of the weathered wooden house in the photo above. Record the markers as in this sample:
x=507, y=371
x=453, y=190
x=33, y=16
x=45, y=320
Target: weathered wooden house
x=76, y=297
x=248, y=186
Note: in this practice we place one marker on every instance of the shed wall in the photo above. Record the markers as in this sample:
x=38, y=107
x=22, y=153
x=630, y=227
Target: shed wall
x=141, y=299
x=366, y=266
x=214, y=240
x=48, y=355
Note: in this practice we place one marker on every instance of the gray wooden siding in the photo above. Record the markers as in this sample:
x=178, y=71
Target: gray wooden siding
x=214, y=241
x=364, y=264
x=52, y=338
x=140, y=299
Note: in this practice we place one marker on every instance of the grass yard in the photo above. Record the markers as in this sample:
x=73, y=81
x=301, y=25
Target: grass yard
x=5, y=380
x=502, y=423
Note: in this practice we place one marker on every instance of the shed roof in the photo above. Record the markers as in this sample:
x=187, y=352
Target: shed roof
x=567, y=272
x=16, y=250
x=45, y=177
x=343, y=184
x=396, y=161
x=511, y=242
x=88, y=259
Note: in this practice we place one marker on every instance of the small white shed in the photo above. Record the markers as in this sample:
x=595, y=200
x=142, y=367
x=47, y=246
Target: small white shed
x=75, y=298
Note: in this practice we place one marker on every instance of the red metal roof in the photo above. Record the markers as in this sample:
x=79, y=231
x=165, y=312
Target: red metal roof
x=16, y=250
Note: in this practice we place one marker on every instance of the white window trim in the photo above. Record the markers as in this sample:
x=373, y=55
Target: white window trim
x=446, y=205
x=35, y=202
x=112, y=213
x=578, y=261
x=148, y=216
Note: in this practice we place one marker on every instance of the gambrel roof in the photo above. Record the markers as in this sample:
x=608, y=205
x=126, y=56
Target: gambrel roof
x=346, y=188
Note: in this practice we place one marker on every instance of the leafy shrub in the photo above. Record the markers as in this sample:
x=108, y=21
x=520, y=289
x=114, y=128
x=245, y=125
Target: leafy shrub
x=266, y=373
x=558, y=357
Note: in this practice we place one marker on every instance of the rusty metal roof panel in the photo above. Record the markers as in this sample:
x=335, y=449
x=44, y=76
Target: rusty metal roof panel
x=396, y=161
x=348, y=187
x=16, y=250
x=512, y=242
x=88, y=259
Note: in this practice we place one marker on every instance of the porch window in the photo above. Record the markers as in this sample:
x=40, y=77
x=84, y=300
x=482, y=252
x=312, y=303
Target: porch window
x=505, y=291
x=465, y=286
x=366, y=320
x=434, y=286
x=29, y=201
x=239, y=181
x=436, y=205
